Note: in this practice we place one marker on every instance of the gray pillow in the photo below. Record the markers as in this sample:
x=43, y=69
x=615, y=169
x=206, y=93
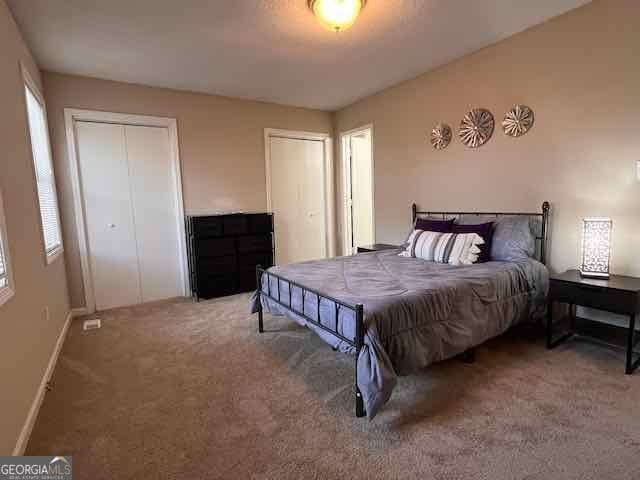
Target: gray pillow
x=512, y=239
x=476, y=219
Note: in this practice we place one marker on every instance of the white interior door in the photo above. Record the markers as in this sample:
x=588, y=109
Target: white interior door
x=155, y=211
x=109, y=217
x=361, y=190
x=131, y=213
x=297, y=173
x=358, y=183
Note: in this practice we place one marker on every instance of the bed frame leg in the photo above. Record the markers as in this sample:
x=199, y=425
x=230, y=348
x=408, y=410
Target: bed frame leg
x=468, y=356
x=359, y=340
x=360, y=411
x=259, y=299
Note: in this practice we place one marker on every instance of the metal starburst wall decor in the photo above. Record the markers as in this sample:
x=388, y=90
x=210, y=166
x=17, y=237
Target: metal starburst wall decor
x=518, y=121
x=441, y=136
x=476, y=127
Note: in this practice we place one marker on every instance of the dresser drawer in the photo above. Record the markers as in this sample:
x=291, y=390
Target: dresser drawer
x=217, y=265
x=217, y=286
x=235, y=224
x=207, y=226
x=616, y=301
x=249, y=261
x=260, y=223
x=255, y=243
x=215, y=247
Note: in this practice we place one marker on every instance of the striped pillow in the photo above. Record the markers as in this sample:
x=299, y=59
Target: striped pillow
x=452, y=248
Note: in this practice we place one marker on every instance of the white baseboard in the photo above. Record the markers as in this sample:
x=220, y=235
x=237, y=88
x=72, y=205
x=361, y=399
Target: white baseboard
x=79, y=312
x=23, y=439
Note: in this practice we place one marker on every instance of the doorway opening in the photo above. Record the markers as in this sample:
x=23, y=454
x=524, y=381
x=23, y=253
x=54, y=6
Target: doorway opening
x=359, y=218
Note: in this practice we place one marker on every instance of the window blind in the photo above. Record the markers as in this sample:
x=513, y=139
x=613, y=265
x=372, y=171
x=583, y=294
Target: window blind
x=44, y=174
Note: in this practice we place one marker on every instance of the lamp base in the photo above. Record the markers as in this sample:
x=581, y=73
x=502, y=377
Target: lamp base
x=600, y=275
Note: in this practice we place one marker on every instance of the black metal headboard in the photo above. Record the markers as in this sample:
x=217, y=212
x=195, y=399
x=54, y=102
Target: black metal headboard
x=541, y=235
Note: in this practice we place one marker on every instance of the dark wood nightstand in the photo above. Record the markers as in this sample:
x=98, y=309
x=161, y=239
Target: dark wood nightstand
x=618, y=294
x=377, y=247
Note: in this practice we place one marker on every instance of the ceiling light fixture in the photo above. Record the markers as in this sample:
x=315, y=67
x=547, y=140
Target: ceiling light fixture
x=336, y=15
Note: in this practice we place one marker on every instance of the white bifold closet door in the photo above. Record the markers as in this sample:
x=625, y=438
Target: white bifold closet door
x=129, y=194
x=298, y=199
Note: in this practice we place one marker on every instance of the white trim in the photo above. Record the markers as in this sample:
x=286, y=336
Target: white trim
x=54, y=254
x=71, y=115
x=329, y=200
x=346, y=224
x=6, y=293
x=31, y=83
x=8, y=290
x=30, y=421
x=347, y=247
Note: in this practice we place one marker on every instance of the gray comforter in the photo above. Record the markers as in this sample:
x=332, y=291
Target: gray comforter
x=415, y=312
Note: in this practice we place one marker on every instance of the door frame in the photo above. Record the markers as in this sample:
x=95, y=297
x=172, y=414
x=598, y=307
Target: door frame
x=346, y=223
x=72, y=115
x=329, y=210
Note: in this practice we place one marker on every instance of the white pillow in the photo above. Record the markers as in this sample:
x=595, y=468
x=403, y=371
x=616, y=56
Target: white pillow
x=452, y=248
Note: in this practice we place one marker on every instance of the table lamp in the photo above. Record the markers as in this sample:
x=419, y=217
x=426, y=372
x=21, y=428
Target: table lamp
x=596, y=247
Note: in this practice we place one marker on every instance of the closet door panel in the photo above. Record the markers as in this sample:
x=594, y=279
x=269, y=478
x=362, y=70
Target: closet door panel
x=297, y=199
x=153, y=188
x=108, y=215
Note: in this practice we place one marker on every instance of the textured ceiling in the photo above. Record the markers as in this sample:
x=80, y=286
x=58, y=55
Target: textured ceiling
x=270, y=50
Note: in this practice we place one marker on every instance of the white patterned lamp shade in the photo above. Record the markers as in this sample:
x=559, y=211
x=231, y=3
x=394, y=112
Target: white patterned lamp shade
x=596, y=247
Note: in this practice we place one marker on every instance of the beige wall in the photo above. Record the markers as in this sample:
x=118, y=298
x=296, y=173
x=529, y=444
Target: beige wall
x=221, y=145
x=28, y=338
x=581, y=74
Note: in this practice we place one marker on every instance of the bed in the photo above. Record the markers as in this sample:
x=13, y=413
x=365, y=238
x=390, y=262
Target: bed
x=396, y=314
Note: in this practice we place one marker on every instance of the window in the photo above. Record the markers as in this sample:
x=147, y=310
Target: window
x=6, y=283
x=45, y=180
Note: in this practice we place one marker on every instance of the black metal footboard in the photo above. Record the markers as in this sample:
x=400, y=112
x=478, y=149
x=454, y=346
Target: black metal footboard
x=357, y=342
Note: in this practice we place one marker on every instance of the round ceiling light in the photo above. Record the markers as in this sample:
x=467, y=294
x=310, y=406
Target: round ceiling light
x=336, y=15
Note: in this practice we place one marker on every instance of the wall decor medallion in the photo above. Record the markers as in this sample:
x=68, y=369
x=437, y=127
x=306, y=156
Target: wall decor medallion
x=476, y=127
x=518, y=120
x=441, y=136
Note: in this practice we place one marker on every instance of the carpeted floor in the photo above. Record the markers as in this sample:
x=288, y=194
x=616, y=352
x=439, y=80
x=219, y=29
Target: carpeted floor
x=179, y=390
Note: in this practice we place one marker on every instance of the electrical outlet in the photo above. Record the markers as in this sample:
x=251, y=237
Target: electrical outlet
x=46, y=314
x=92, y=324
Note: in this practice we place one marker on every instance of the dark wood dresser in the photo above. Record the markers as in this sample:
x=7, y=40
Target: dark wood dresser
x=224, y=250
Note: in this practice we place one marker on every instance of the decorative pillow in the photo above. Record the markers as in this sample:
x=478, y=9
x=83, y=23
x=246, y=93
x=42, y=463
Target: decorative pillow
x=452, y=248
x=428, y=224
x=512, y=239
x=485, y=230
x=431, y=225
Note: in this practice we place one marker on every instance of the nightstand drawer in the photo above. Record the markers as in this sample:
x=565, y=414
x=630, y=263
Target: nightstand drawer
x=602, y=298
